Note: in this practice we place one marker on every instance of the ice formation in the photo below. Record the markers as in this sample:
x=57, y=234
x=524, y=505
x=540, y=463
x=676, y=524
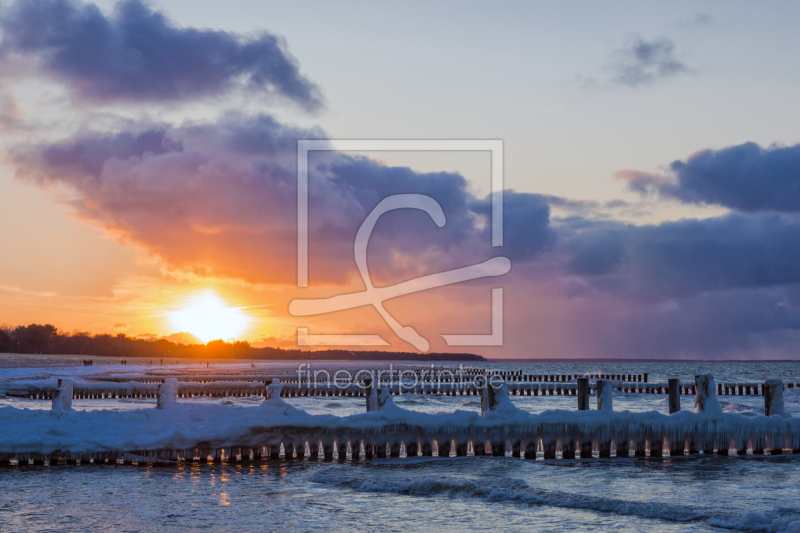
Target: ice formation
x=274, y=389
x=167, y=394
x=773, y=391
x=706, y=398
x=180, y=429
x=62, y=401
x=604, y=397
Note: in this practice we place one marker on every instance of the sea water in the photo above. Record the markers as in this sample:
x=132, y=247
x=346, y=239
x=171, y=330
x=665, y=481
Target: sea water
x=696, y=493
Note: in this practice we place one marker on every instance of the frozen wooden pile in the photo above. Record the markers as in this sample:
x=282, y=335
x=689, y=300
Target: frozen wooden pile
x=277, y=431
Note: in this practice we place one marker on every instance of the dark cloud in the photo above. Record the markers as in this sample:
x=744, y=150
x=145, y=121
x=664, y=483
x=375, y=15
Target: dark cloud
x=643, y=62
x=746, y=177
x=137, y=55
x=687, y=257
x=220, y=199
x=526, y=228
x=85, y=157
x=596, y=250
x=738, y=324
x=720, y=287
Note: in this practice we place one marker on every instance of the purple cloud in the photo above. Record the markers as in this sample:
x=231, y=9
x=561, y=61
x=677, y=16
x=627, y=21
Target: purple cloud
x=745, y=177
x=136, y=54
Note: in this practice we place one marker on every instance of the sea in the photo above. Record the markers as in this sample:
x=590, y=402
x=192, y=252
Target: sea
x=651, y=494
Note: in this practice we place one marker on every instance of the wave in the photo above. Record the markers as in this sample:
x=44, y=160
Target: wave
x=781, y=519
x=508, y=490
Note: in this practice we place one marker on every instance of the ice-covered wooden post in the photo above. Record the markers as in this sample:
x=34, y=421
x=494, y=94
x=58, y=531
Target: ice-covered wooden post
x=376, y=399
x=705, y=400
x=274, y=389
x=167, y=394
x=384, y=398
x=773, y=397
x=371, y=394
x=674, y=395
x=583, y=394
x=487, y=397
x=604, y=396
x=62, y=400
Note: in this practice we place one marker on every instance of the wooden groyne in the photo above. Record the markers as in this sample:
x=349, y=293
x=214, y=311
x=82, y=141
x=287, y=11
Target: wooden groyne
x=276, y=431
x=293, y=388
x=440, y=375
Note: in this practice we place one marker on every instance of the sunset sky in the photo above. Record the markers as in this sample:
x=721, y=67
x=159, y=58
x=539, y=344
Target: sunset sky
x=148, y=178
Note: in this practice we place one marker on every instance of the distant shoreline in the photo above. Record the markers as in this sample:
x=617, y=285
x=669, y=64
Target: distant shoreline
x=551, y=360
x=303, y=357
x=365, y=356
x=44, y=339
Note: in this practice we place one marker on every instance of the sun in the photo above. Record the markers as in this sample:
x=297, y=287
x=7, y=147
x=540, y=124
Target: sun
x=208, y=318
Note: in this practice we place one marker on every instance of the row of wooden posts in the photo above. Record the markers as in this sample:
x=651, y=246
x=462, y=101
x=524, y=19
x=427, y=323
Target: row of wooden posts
x=256, y=388
x=565, y=439
x=582, y=390
x=445, y=376
x=520, y=376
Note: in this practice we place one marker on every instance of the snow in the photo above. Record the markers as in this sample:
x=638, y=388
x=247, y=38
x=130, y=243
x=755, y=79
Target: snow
x=706, y=399
x=372, y=400
x=180, y=426
x=775, y=387
x=274, y=389
x=604, y=397
x=167, y=394
x=62, y=401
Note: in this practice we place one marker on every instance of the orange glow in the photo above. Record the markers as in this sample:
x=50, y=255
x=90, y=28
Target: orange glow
x=208, y=318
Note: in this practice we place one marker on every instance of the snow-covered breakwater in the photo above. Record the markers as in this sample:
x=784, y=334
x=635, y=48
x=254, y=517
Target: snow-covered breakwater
x=107, y=389
x=277, y=430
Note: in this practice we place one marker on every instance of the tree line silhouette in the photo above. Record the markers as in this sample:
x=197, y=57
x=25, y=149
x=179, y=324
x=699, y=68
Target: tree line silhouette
x=46, y=339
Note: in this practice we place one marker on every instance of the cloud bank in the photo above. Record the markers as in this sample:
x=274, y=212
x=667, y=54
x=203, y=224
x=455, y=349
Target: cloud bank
x=687, y=257
x=745, y=177
x=136, y=54
x=220, y=199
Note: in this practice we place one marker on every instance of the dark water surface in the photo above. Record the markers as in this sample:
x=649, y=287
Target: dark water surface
x=700, y=493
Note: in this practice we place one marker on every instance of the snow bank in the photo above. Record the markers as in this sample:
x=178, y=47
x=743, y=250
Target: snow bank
x=275, y=422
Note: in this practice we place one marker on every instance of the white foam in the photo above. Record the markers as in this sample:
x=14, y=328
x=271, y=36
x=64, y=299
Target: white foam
x=781, y=519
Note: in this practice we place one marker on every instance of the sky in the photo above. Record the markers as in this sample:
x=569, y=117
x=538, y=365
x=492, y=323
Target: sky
x=651, y=170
